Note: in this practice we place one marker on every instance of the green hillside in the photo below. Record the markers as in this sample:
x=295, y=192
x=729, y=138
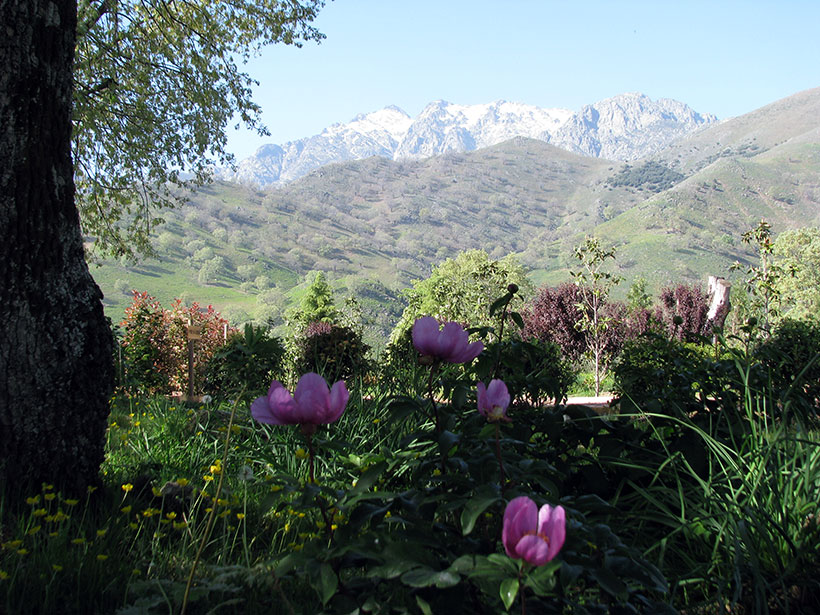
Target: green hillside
x=376, y=225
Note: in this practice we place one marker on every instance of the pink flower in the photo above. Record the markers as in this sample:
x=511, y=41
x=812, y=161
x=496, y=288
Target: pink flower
x=536, y=536
x=312, y=403
x=450, y=344
x=493, y=400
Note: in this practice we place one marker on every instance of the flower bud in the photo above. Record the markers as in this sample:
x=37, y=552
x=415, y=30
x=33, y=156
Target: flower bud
x=512, y=288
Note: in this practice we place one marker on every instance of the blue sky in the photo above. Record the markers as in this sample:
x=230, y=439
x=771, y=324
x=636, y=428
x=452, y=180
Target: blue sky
x=721, y=57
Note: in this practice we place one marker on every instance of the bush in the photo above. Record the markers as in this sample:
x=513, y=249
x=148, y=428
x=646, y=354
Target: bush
x=552, y=317
x=155, y=343
x=653, y=370
x=335, y=351
x=251, y=359
x=790, y=356
x=533, y=371
x=690, y=305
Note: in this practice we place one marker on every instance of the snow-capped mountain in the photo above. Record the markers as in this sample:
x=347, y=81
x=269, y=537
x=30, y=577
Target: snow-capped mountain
x=624, y=127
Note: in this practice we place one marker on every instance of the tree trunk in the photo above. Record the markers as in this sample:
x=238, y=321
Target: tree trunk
x=55, y=344
x=719, y=290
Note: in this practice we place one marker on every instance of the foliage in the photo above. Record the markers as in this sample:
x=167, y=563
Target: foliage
x=655, y=368
x=638, y=297
x=682, y=310
x=317, y=304
x=247, y=361
x=155, y=343
x=335, y=351
x=653, y=175
x=462, y=289
x=791, y=356
x=762, y=280
x=156, y=84
x=594, y=283
x=798, y=252
x=551, y=317
x=533, y=370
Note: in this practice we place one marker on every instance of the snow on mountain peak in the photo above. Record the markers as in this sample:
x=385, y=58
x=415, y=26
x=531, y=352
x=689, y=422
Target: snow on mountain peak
x=624, y=127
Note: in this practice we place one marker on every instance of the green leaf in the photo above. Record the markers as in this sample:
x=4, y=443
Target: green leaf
x=504, y=562
x=368, y=478
x=501, y=301
x=609, y=582
x=424, y=606
x=426, y=577
x=485, y=497
x=516, y=317
x=508, y=591
x=542, y=578
x=326, y=583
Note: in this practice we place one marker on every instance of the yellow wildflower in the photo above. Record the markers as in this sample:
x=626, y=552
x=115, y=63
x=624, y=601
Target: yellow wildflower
x=171, y=515
x=178, y=525
x=102, y=532
x=127, y=487
x=78, y=541
x=102, y=557
x=126, y=509
x=182, y=482
x=71, y=502
x=39, y=512
x=56, y=567
x=33, y=530
x=33, y=500
x=3, y=575
x=240, y=516
x=301, y=453
x=49, y=496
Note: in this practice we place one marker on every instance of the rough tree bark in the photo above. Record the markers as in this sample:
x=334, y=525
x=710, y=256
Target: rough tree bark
x=56, y=371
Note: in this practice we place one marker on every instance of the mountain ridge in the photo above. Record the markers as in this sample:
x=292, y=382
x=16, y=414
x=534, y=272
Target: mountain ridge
x=623, y=127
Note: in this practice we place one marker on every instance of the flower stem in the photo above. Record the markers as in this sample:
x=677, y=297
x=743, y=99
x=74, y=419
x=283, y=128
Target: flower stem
x=503, y=479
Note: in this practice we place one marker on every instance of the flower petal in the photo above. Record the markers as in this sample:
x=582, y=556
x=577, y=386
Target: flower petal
x=520, y=517
x=312, y=397
x=498, y=395
x=261, y=411
x=552, y=523
x=534, y=550
x=425, y=335
x=452, y=342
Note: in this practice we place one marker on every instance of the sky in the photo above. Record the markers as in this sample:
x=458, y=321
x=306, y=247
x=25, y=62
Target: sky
x=720, y=57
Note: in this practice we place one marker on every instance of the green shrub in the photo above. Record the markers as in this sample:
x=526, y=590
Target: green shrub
x=653, y=370
x=250, y=360
x=337, y=352
x=790, y=356
x=533, y=371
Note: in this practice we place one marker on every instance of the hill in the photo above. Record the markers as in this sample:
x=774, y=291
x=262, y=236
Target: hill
x=375, y=225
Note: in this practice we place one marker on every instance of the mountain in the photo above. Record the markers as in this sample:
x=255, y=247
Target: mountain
x=377, y=224
x=625, y=127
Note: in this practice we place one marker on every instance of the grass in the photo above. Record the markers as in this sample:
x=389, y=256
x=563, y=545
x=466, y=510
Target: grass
x=408, y=516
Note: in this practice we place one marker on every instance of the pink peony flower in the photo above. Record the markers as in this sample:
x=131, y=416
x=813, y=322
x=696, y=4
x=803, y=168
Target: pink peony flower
x=312, y=403
x=493, y=400
x=536, y=536
x=450, y=344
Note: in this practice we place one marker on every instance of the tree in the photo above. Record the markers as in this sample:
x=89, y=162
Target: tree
x=762, y=280
x=55, y=344
x=317, y=304
x=157, y=84
x=462, y=289
x=798, y=252
x=594, y=284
